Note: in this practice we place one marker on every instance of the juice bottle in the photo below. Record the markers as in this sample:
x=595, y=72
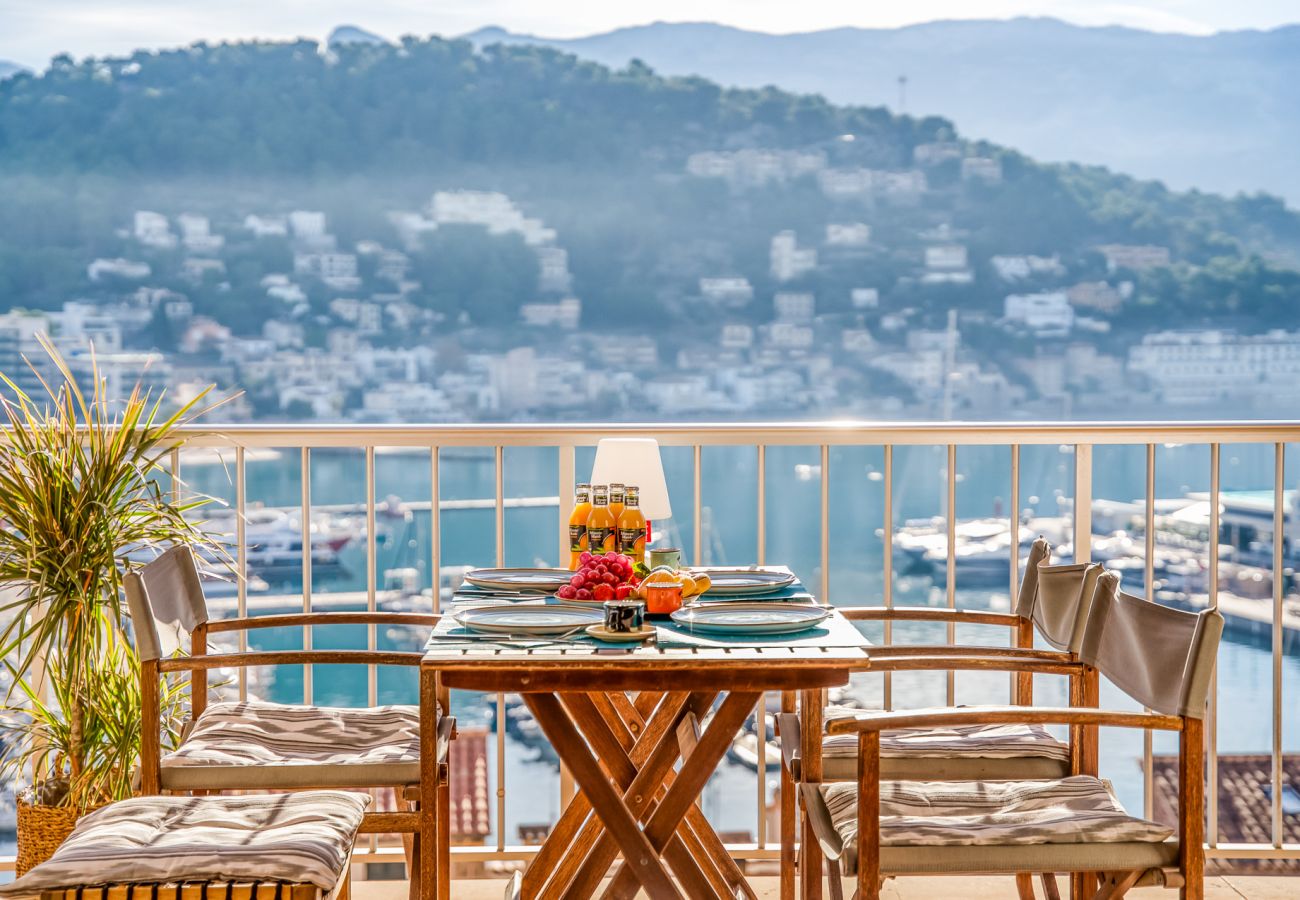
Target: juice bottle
x=578, y=524
x=601, y=526
x=617, y=496
x=632, y=527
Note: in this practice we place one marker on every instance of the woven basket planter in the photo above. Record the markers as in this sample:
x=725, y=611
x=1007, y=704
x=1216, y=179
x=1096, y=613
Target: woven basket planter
x=41, y=829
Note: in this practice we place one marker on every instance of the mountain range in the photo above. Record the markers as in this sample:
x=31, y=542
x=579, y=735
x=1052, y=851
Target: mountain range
x=1218, y=113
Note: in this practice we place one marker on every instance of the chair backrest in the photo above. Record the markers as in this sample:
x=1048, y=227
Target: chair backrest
x=167, y=604
x=1160, y=656
x=1039, y=552
x=1056, y=598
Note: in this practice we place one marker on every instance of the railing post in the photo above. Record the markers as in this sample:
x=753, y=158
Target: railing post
x=826, y=524
x=305, y=526
x=1013, y=522
x=1149, y=590
x=372, y=552
x=499, y=518
x=1212, y=716
x=241, y=560
x=1279, y=573
x=435, y=529
x=696, y=512
x=950, y=562
x=887, y=564
x=1083, y=502
x=566, y=481
x=760, y=555
x=760, y=517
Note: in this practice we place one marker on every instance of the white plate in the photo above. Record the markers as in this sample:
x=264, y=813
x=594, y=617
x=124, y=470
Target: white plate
x=747, y=581
x=543, y=620
x=519, y=579
x=750, y=618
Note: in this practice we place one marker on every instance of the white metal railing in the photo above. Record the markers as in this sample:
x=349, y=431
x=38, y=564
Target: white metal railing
x=1081, y=437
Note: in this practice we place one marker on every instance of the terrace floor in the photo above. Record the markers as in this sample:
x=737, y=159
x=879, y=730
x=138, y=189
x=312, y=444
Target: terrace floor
x=1231, y=887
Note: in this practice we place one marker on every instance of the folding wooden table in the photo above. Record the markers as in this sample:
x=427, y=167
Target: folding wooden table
x=620, y=719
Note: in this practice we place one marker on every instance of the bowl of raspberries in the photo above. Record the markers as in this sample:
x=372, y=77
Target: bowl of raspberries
x=599, y=578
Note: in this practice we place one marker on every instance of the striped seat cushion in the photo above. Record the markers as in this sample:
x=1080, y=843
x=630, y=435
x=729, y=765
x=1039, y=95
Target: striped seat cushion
x=300, y=838
x=1078, y=809
x=255, y=744
x=981, y=741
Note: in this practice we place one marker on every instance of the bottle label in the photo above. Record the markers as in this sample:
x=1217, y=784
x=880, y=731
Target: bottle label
x=631, y=541
x=600, y=540
x=577, y=538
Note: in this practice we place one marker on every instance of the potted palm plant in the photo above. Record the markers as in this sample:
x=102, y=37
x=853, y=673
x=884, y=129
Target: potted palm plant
x=82, y=495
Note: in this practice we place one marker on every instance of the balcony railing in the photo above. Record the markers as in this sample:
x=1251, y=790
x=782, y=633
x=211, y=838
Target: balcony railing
x=1002, y=448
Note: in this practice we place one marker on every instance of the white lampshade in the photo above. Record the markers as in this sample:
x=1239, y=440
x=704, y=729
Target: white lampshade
x=634, y=461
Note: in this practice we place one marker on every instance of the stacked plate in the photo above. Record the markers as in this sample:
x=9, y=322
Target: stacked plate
x=530, y=620
x=739, y=618
x=540, y=580
x=747, y=582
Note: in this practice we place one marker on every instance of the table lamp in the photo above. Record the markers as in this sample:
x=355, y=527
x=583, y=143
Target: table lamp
x=634, y=461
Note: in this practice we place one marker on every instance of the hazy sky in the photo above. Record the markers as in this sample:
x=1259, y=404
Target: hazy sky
x=31, y=31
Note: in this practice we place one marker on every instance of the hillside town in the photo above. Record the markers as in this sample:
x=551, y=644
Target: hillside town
x=345, y=335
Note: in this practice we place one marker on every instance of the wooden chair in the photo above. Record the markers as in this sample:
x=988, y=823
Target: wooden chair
x=254, y=745
x=294, y=846
x=1053, y=602
x=1161, y=657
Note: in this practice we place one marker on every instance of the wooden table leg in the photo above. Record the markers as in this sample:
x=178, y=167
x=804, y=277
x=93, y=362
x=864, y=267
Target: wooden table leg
x=710, y=845
x=683, y=858
x=427, y=857
x=656, y=767
x=810, y=853
x=641, y=856
x=690, y=781
x=563, y=854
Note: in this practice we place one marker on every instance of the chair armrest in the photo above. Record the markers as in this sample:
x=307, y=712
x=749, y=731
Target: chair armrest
x=361, y=617
x=927, y=614
x=937, y=663
x=789, y=736
x=967, y=650
x=290, y=658
x=994, y=715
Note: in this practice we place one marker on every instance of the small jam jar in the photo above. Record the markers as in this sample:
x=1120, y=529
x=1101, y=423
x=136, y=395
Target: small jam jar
x=663, y=599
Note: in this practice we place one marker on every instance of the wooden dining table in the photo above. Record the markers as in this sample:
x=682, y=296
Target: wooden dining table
x=641, y=729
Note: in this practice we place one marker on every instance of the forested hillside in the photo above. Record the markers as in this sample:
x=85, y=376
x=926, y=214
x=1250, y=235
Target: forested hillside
x=286, y=108
x=600, y=154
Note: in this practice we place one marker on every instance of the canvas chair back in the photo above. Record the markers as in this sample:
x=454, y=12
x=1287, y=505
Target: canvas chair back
x=1056, y=598
x=1160, y=656
x=167, y=604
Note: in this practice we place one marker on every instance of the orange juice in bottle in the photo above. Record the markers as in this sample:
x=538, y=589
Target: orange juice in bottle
x=632, y=527
x=617, y=497
x=601, y=525
x=578, y=524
